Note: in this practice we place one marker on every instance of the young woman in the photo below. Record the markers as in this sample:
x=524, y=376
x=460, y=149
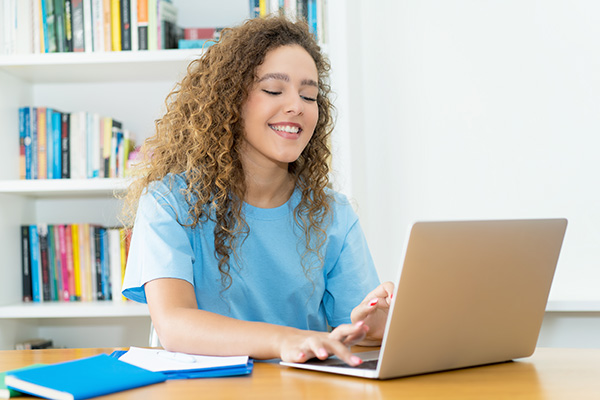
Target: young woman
x=238, y=245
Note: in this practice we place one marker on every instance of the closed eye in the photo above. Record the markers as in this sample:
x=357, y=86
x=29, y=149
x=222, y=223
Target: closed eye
x=271, y=93
x=311, y=99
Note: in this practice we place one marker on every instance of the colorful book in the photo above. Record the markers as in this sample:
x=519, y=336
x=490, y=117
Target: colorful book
x=68, y=25
x=125, y=25
x=6, y=393
x=76, y=294
x=62, y=249
x=60, y=25
x=36, y=271
x=115, y=15
x=23, y=128
x=44, y=261
x=26, y=264
x=49, y=144
x=77, y=28
x=65, y=150
x=42, y=141
x=82, y=379
x=70, y=285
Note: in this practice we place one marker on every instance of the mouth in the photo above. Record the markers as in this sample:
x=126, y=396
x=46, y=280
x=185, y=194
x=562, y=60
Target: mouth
x=286, y=128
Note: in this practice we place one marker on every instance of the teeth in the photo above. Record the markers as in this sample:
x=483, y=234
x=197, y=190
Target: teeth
x=285, y=128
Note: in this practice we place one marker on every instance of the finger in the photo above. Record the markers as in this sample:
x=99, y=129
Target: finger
x=342, y=352
x=350, y=334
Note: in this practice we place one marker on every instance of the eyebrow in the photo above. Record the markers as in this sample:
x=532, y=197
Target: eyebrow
x=286, y=78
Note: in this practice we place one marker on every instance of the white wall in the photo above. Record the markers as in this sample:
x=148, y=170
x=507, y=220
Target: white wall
x=478, y=109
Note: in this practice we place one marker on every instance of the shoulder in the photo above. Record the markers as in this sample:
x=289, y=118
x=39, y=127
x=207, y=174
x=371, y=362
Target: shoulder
x=168, y=194
x=342, y=208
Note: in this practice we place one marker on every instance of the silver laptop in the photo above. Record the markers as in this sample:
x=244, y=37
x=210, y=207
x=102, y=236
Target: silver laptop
x=469, y=293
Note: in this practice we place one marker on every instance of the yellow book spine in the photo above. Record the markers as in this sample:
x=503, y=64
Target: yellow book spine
x=42, y=140
x=115, y=21
x=76, y=266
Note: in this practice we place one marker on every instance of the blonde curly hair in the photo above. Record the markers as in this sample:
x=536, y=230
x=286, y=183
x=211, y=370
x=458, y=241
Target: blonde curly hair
x=201, y=136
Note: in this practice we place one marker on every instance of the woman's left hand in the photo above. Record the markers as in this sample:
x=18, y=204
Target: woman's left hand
x=373, y=310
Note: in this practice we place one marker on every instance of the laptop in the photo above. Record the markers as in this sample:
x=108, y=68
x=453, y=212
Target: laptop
x=469, y=293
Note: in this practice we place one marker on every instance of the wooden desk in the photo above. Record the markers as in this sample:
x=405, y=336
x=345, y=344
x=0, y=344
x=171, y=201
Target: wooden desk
x=549, y=374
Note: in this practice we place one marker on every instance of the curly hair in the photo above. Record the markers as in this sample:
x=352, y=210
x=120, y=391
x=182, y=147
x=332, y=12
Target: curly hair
x=201, y=136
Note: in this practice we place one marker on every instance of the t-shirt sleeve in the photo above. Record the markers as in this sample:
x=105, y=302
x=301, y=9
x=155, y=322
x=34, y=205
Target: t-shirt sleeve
x=160, y=246
x=351, y=278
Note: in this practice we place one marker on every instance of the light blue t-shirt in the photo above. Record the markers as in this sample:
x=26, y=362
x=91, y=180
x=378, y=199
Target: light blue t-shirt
x=268, y=283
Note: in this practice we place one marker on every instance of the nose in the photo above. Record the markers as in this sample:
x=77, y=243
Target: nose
x=294, y=105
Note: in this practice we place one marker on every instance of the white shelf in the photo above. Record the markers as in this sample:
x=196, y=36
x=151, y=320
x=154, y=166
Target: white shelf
x=99, y=309
x=573, y=306
x=63, y=187
x=124, y=66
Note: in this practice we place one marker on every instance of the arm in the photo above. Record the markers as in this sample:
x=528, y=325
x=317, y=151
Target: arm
x=182, y=327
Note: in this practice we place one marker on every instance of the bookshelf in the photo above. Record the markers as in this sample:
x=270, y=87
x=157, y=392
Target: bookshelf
x=129, y=86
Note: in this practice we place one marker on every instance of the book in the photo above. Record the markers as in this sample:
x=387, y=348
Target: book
x=125, y=25
x=23, y=127
x=26, y=264
x=77, y=29
x=60, y=25
x=81, y=379
x=98, y=24
x=44, y=261
x=186, y=366
x=65, y=163
x=68, y=25
x=142, y=16
x=115, y=23
x=88, y=37
x=36, y=271
x=6, y=393
x=42, y=141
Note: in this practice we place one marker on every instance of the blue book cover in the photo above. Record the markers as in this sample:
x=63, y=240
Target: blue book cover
x=81, y=379
x=56, y=145
x=36, y=272
x=33, y=122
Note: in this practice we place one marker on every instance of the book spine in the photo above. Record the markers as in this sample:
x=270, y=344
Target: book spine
x=68, y=25
x=152, y=24
x=76, y=264
x=28, y=143
x=36, y=271
x=115, y=263
x=33, y=114
x=125, y=25
x=60, y=24
x=115, y=17
x=42, y=140
x=51, y=26
x=26, y=264
x=65, y=164
x=22, y=140
x=44, y=28
x=43, y=240
x=59, y=263
x=70, y=265
x=105, y=267
x=98, y=260
x=98, y=24
x=38, y=41
x=77, y=26
x=85, y=259
x=52, y=264
x=106, y=19
x=135, y=42
x=24, y=29
x=62, y=246
x=88, y=26
x=49, y=145
x=93, y=267
x=143, y=24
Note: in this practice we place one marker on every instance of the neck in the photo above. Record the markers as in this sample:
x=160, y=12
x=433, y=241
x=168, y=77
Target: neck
x=268, y=187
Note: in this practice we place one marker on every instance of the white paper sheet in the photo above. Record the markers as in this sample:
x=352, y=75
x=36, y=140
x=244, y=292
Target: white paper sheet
x=161, y=360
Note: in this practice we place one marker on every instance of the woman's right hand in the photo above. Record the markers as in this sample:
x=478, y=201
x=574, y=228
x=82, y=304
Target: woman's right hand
x=304, y=345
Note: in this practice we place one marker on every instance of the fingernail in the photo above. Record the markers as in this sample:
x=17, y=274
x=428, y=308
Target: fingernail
x=373, y=302
x=360, y=323
x=391, y=295
x=323, y=353
x=301, y=355
x=355, y=360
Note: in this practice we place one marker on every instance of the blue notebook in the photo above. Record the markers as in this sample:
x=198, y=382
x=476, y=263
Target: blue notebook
x=81, y=379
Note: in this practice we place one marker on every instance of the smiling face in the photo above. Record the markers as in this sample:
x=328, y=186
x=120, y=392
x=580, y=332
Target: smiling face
x=281, y=112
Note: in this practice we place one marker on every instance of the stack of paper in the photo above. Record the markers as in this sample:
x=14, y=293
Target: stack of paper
x=186, y=366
